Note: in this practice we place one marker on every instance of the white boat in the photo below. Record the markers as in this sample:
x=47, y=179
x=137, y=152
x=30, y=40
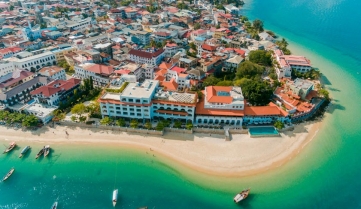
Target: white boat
x=9, y=174
x=55, y=205
x=241, y=196
x=46, y=150
x=115, y=197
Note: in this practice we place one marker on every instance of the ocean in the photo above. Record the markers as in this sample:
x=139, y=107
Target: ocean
x=326, y=174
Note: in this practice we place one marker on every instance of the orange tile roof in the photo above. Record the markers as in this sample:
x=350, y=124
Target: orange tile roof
x=261, y=110
x=212, y=96
x=200, y=110
x=165, y=65
x=171, y=85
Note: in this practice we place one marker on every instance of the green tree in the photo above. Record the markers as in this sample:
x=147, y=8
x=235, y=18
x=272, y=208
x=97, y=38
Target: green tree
x=283, y=46
x=82, y=119
x=160, y=126
x=73, y=118
x=241, y=82
x=211, y=81
x=244, y=19
x=189, y=125
x=58, y=115
x=148, y=125
x=197, y=26
x=134, y=123
x=11, y=7
x=105, y=121
x=78, y=109
x=120, y=122
x=225, y=83
x=249, y=70
x=279, y=125
x=257, y=92
x=258, y=25
x=30, y=120
x=43, y=25
x=177, y=124
x=261, y=57
x=193, y=46
x=324, y=93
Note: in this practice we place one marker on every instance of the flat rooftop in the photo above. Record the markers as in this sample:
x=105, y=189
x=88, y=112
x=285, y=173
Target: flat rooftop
x=111, y=96
x=40, y=110
x=175, y=97
x=137, y=90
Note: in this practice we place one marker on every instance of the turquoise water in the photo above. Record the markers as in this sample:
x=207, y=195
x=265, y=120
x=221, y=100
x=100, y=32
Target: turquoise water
x=326, y=174
x=264, y=130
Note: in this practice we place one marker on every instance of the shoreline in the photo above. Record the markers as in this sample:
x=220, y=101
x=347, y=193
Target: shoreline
x=206, y=154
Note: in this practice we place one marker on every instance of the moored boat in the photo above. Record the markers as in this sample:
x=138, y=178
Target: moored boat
x=40, y=153
x=11, y=147
x=24, y=151
x=55, y=205
x=241, y=196
x=115, y=197
x=9, y=174
x=46, y=150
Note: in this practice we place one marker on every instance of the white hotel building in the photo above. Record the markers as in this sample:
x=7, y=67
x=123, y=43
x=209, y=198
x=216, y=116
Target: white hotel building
x=34, y=62
x=148, y=101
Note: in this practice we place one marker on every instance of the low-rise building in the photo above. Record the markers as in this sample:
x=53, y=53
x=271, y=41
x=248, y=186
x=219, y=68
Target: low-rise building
x=287, y=63
x=53, y=72
x=153, y=57
x=100, y=73
x=17, y=97
x=221, y=105
x=55, y=91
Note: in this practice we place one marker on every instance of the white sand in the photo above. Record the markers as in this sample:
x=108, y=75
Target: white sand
x=208, y=154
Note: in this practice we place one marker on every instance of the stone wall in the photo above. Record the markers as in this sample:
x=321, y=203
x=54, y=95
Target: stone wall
x=113, y=128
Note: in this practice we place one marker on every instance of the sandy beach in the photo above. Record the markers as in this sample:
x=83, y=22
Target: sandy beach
x=212, y=155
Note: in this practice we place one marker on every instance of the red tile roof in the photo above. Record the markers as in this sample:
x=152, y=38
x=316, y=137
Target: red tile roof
x=145, y=54
x=178, y=69
x=56, y=86
x=171, y=85
x=208, y=47
x=100, y=69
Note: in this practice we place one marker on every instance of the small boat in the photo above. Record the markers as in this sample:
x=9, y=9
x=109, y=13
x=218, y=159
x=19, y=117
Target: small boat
x=11, y=147
x=55, y=205
x=46, y=150
x=40, y=153
x=146, y=207
x=115, y=197
x=241, y=196
x=24, y=151
x=9, y=174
